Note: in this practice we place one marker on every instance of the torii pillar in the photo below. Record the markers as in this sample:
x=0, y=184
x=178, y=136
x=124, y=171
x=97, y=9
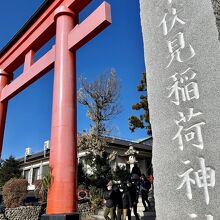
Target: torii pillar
x=62, y=195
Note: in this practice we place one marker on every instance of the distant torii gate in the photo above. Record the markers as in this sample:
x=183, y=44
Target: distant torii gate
x=60, y=18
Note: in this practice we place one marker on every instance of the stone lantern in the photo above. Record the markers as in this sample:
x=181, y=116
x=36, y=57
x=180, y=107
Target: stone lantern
x=131, y=153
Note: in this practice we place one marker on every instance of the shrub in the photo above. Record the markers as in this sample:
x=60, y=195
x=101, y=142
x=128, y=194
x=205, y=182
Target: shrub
x=96, y=198
x=96, y=204
x=42, y=186
x=39, y=191
x=14, y=192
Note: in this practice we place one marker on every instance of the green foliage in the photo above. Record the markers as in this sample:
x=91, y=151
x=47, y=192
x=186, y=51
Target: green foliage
x=42, y=186
x=96, y=158
x=37, y=191
x=47, y=181
x=83, y=180
x=96, y=198
x=121, y=174
x=10, y=168
x=101, y=170
x=89, y=142
x=14, y=192
x=142, y=121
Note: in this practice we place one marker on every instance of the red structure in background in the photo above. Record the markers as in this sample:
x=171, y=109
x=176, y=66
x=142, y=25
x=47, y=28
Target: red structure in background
x=59, y=18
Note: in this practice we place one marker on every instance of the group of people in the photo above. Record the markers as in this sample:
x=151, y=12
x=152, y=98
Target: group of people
x=121, y=198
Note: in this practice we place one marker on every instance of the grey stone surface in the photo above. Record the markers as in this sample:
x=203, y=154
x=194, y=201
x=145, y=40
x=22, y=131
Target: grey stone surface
x=84, y=209
x=201, y=33
x=22, y=212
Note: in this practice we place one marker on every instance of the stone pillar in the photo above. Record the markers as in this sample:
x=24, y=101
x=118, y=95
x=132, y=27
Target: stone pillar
x=4, y=80
x=62, y=196
x=182, y=56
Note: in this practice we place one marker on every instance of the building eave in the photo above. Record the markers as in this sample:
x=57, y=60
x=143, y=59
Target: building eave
x=116, y=143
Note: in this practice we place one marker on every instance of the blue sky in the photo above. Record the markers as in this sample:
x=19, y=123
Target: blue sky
x=119, y=47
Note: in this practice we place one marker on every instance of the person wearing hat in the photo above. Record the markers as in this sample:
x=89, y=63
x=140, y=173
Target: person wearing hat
x=134, y=191
x=109, y=203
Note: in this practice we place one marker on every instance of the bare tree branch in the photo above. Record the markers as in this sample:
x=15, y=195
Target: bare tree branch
x=101, y=98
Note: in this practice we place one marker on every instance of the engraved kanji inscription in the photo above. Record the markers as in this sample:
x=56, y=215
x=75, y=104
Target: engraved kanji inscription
x=203, y=178
x=189, y=134
x=183, y=88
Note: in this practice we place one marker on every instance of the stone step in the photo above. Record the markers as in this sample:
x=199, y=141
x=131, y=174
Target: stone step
x=98, y=216
x=145, y=216
x=150, y=213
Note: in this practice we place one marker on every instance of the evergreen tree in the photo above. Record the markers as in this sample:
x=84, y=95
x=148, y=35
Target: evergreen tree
x=101, y=170
x=143, y=120
x=83, y=180
x=10, y=168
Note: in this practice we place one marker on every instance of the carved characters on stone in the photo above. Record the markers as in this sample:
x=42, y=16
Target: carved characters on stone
x=203, y=178
x=184, y=88
x=176, y=44
x=171, y=18
x=195, y=216
x=191, y=134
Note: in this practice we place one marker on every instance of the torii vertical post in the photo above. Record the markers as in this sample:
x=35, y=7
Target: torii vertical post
x=4, y=80
x=62, y=196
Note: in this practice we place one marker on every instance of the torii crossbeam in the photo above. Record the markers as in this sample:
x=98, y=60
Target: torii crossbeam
x=59, y=18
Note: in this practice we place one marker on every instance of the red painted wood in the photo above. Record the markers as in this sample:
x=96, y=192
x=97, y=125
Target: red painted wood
x=60, y=19
x=62, y=196
x=81, y=34
x=4, y=80
x=90, y=27
x=29, y=60
x=37, y=70
x=36, y=36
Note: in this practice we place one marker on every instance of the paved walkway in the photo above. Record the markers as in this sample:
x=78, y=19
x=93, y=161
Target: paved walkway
x=133, y=218
x=146, y=216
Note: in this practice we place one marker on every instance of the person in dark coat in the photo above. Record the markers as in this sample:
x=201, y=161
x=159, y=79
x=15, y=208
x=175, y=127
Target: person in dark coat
x=124, y=203
x=116, y=198
x=134, y=191
x=109, y=203
x=145, y=186
x=136, y=170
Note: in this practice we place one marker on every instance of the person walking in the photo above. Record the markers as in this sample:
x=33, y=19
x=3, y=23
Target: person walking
x=133, y=189
x=109, y=203
x=145, y=186
x=124, y=203
x=116, y=198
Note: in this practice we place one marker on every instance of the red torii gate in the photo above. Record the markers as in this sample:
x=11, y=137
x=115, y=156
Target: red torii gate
x=59, y=18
